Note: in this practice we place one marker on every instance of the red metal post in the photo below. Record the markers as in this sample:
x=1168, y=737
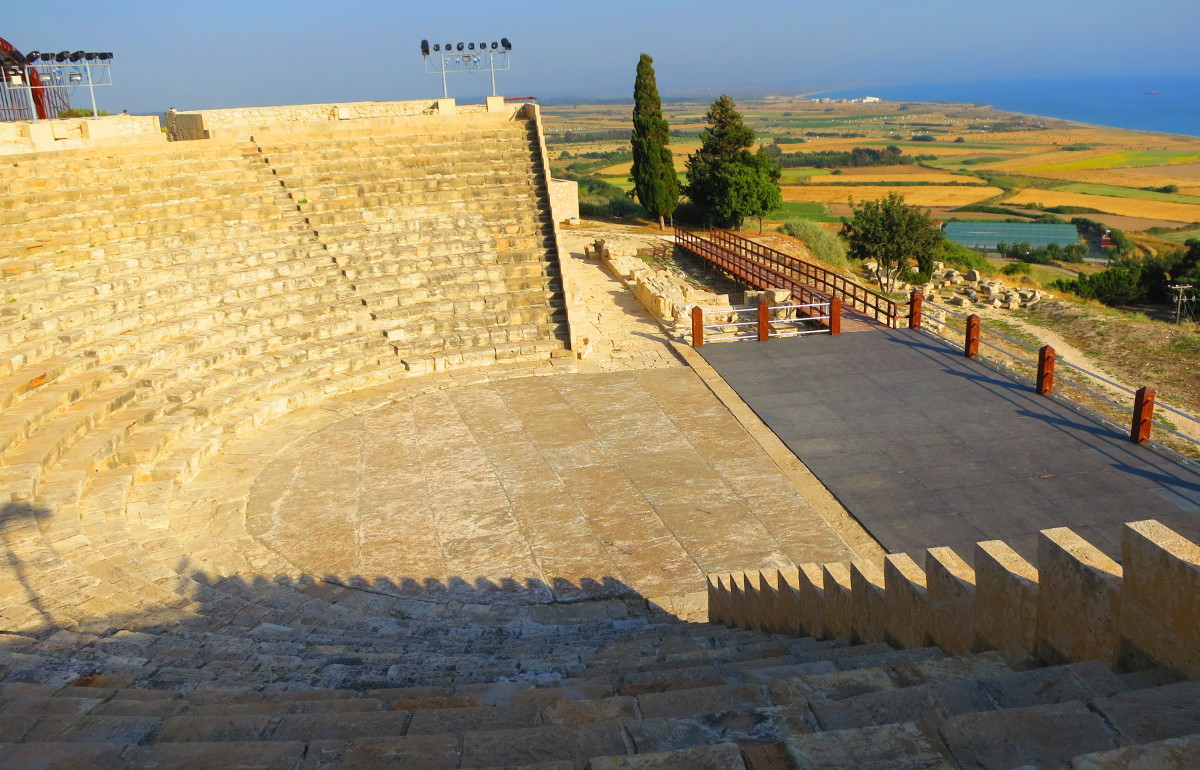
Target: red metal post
x=1143, y=414
x=915, y=303
x=764, y=321
x=835, y=315
x=697, y=326
x=971, y=349
x=1045, y=375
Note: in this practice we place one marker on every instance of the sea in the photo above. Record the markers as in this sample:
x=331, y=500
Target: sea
x=1167, y=104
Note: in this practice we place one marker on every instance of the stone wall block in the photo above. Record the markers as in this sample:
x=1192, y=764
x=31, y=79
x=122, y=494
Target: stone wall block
x=866, y=602
x=950, y=586
x=1006, y=599
x=810, y=598
x=906, y=602
x=1078, y=602
x=835, y=579
x=787, y=601
x=1160, y=600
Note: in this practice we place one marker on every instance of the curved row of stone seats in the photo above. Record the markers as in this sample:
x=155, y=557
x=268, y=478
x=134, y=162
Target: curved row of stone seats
x=658, y=696
x=184, y=356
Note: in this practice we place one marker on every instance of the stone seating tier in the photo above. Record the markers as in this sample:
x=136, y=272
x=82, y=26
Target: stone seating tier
x=635, y=692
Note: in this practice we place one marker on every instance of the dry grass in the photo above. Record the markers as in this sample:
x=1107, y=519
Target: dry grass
x=1129, y=207
x=914, y=196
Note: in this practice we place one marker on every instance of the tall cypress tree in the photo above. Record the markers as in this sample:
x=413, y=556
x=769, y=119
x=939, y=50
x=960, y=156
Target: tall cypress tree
x=653, y=174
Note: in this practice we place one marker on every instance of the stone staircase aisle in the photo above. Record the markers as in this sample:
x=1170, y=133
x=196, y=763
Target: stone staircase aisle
x=600, y=685
x=445, y=235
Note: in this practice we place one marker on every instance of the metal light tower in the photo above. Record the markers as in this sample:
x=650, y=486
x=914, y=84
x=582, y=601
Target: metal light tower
x=44, y=79
x=443, y=58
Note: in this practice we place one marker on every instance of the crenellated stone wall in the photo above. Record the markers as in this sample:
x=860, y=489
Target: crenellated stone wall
x=1076, y=605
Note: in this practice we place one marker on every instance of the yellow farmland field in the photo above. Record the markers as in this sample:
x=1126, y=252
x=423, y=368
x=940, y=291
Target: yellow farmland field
x=1129, y=207
x=914, y=196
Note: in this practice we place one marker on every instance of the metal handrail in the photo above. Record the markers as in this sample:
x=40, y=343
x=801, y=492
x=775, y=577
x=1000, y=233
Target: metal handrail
x=788, y=272
x=1075, y=383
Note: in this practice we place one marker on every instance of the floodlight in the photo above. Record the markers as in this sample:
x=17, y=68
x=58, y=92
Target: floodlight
x=47, y=57
x=495, y=46
x=437, y=46
x=424, y=47
x=75, y=77
x=470, y=46
x=460, y=46
x=482, y=46
x=77, y=56
x=447, y=47
x=507, y=45
x=33, y=55
x=62, y=56
x=105, y=56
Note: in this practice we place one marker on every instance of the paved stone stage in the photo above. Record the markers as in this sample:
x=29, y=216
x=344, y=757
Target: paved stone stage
x=527, y=489
x=927, y=448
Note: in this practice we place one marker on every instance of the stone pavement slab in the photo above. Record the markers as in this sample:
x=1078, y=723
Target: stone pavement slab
x=927, y=448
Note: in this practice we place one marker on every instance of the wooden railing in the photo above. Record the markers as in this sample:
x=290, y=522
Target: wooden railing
x=767, y=268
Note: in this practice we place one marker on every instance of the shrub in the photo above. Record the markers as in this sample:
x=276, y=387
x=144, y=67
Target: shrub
x=960, y=257
x=823, y=244
x=625, y=208
x=1017, y=268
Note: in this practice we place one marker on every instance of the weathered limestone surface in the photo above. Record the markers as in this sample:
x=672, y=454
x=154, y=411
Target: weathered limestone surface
x=536, y=489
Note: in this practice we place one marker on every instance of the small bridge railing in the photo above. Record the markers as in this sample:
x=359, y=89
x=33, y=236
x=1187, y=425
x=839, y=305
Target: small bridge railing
x=770, y=321
x=755, y=263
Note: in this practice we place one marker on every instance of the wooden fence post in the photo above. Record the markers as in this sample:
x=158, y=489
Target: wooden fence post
x=915, y=303
x=1143, y=414
x=1045, y=374
x=697, y=326
x=764, y=321
x=971, y=349
x=835, y=315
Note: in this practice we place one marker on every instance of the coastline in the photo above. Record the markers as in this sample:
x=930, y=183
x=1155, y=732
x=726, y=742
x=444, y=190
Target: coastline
x=1118, y=103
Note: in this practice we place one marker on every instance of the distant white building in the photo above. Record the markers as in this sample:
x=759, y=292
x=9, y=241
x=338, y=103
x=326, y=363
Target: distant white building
x=871, y=99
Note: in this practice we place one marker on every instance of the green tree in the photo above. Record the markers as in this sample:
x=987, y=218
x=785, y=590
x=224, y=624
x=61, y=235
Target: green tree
x=893, y=234
x=653, y=175
x=727, y=181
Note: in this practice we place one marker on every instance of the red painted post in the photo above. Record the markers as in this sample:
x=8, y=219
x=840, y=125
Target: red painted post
x=971, y=349
x=697, y=326
x=764, y=321
x=835, y=315
x=1143, y=414
x=1045, y=375
x=915, y=303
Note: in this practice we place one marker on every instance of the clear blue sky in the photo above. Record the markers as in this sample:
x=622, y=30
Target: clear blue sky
x=226, y=53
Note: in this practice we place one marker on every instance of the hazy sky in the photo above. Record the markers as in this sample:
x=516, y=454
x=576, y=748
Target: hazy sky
x=222, y=53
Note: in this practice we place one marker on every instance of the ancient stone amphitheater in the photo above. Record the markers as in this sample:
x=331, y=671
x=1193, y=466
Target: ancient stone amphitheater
x=298, y=473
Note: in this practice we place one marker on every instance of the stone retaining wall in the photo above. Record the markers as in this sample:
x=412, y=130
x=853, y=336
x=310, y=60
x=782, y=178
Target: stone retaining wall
x=1076, y=605
x=564, y=200
x=241, y=123
x=79, y=133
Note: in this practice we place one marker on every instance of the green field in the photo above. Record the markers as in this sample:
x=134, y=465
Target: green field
x=1125, y=192
x=800, y=210
x=1132, y=159
x=803, y=173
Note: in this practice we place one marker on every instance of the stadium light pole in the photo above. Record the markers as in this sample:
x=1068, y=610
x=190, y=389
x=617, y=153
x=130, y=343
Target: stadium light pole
x=463, y=57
